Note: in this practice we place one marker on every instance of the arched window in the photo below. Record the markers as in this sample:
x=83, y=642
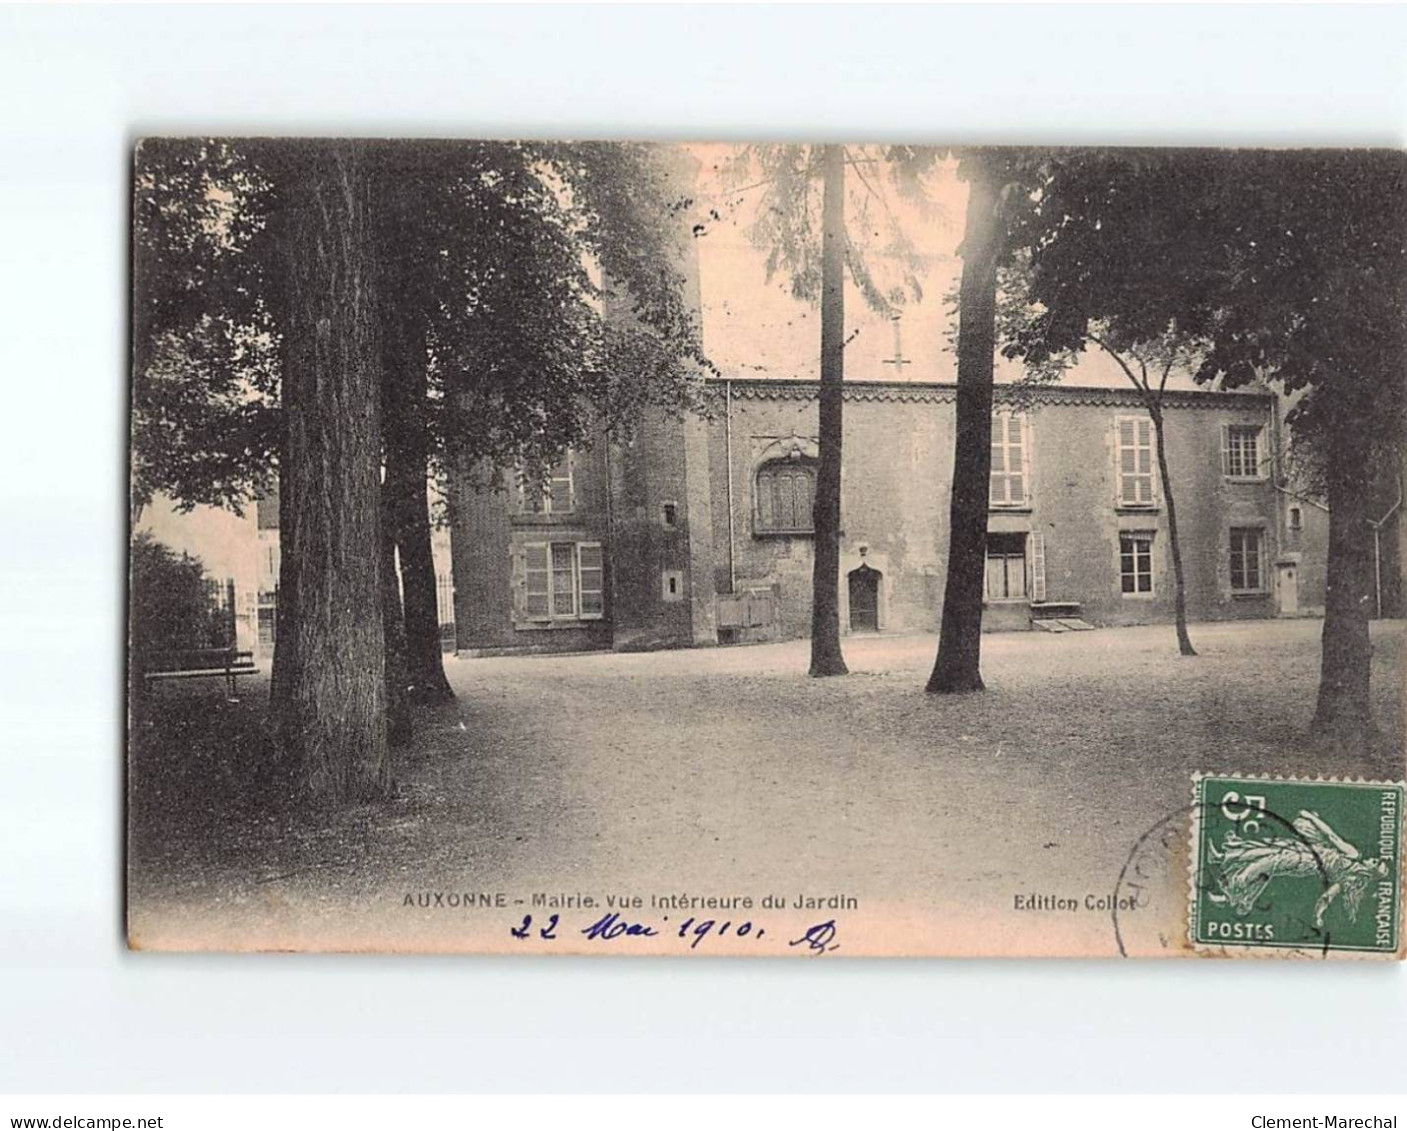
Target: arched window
x=783, y=494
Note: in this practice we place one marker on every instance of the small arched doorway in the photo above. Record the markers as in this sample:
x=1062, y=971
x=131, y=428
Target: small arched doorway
x=864, y=599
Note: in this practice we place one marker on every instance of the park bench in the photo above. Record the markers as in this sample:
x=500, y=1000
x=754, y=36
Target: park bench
x=198, y=663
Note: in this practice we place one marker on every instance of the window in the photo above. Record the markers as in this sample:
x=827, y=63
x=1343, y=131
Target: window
x=1296, y=519
x=669, y=514
x=1009, y=460
x=1136, y=563
x=1246, y=573
x=556, y=495
x=563, y=581
x=1240, y=451
x=672, y=585
x=1136, y=462
x=785, y=490
x=1006, y=567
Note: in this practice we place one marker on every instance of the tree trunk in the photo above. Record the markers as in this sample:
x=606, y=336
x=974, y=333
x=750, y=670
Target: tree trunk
x=958, y=665
x=331, y=684
x=398, y=721
x=1184, y=642
x=407, y=470
x=424, y=656
x=1344, y=708
x=826, y=658
x=284, y=758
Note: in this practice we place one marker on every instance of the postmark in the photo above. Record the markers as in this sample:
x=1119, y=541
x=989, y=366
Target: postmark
x=1285, y=863
x=1155, y=865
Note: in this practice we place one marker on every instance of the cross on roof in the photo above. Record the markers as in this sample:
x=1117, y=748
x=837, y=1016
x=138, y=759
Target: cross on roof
x=898, y=359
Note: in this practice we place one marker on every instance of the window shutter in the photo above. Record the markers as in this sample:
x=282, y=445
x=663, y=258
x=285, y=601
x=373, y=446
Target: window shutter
x=1037, y=566
x=995, y=587
x=516, y=583
x=1124, y=458
x=560, y=488
x=535, y=573
x=764, y=499
x=1016, y=461
x=1026, y=459
x=1133, y=442
x=1226, y=449
x=591, y=579
x=1145, y=462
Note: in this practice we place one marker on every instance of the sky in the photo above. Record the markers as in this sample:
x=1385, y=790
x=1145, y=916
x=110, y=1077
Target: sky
x=754, y=327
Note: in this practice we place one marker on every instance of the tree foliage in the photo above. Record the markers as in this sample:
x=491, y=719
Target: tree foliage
x=204, y=341
x=1275, y=265
x=172, y=608
x=1288, y=267
x=490, y=244
x=779, y=189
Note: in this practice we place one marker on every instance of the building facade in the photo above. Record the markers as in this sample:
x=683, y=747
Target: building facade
x=699, y=531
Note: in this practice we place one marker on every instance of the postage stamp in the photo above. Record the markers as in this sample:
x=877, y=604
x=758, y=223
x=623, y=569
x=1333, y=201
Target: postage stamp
x=1293, y=864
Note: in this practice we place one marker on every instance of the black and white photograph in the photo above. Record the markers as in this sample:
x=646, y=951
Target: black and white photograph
x=703, y=565
x=765, y=549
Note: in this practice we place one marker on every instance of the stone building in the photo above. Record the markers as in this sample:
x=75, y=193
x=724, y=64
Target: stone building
x=699, y=531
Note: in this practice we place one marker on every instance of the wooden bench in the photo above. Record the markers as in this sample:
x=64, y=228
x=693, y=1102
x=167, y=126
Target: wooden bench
x=197, y=663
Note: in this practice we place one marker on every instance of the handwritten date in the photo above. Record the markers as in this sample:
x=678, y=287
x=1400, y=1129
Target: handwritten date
x=818, y=939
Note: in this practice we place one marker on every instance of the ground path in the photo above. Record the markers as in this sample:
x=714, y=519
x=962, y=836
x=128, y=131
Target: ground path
x=729, y=769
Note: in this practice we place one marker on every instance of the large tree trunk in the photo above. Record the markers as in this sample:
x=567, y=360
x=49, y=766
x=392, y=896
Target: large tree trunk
x=331, y=688
x=407, y=470
x=826, y=658
x=424, y=656
x=1184, y=642
x=958, y=665
x=1344, y=708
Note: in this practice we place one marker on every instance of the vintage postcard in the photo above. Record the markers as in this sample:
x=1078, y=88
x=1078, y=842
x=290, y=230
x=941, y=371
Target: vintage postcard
x=766, y=550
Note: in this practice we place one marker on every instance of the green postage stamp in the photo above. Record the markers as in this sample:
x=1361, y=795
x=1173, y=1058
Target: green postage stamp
x=1305, y=865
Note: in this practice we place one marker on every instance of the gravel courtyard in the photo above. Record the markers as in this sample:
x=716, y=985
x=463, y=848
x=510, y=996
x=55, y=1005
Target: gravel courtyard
x=729, y=770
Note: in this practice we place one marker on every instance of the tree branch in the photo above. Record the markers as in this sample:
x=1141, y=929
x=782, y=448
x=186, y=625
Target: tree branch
x=1129, y=373
x=1163, y=382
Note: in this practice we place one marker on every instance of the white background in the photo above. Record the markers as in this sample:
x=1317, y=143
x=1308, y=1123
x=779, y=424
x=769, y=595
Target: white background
x=78, y=1013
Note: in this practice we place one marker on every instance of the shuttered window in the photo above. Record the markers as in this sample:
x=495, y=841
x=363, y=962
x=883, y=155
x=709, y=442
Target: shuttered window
x=784, y=494
x=1135, y=461
x=556, y=495
x=563, y=581
x=1010, y=460
x=1006, y=567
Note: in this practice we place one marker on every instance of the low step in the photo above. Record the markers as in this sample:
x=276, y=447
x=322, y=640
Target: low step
x=1048, y=626
x=1055, y=610
x=1074, y=624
